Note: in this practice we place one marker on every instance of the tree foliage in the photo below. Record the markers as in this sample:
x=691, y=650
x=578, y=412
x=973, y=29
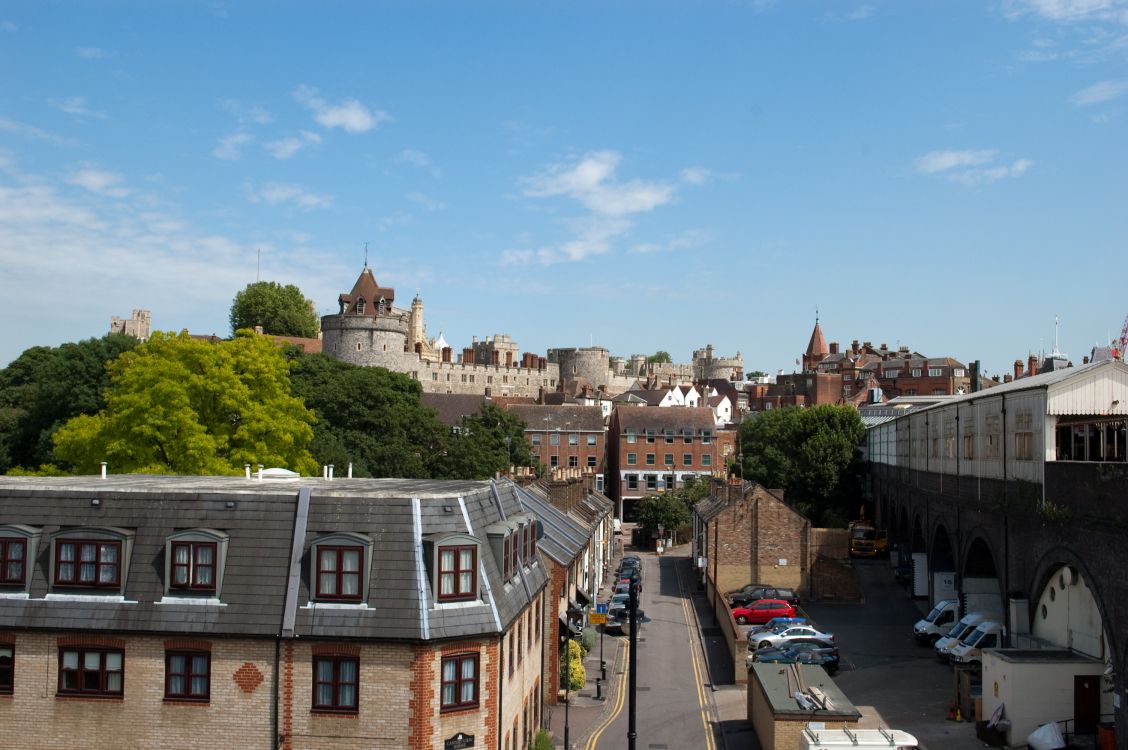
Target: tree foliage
x=809, y=452
x=572, y=667
x=43, y=388
x=667, y=510
x=487, y=442
x=659, y=358
x=280, y=310
x=184, y=406
x=370, y=417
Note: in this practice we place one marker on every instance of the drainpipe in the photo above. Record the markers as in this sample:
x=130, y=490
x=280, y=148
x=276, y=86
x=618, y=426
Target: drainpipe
x=274, y=739
x=1006, y=533
x=500, y=683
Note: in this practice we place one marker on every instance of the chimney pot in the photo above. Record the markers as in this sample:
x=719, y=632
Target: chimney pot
x=1032, y=365
x=1017, y=369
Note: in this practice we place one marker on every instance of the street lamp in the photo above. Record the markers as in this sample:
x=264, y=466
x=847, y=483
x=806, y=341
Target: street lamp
x=572, y=614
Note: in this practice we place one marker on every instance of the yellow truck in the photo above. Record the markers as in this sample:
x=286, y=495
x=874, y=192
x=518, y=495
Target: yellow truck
x=866, y=540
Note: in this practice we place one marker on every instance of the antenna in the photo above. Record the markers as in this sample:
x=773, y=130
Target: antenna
x=366, y=255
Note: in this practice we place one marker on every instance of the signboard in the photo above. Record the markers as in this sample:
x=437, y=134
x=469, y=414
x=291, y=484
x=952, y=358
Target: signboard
x=459, y=741
x=601, y=607
x=597, y=618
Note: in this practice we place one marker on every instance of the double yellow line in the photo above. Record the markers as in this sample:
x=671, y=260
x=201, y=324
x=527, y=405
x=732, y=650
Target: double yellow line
x=698, y=668
x=620, y=697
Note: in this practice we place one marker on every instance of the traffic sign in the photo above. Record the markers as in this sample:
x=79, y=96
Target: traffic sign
x=597, y=618
x=601, y=608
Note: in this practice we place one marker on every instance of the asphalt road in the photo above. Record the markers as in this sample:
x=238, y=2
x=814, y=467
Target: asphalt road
x=674, y=708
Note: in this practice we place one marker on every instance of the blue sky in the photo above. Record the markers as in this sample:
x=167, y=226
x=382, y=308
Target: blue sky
x=948, y=175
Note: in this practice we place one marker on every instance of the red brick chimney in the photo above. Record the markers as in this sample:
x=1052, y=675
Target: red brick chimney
x=1017, y=369
x=1032, y=365
x=834, y=347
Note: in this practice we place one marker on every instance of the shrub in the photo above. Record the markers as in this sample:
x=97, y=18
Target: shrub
x=573, y=667
x=587, y=640
x=542, y=741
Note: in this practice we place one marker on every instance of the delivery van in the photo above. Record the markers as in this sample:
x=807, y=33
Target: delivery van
x=963, y=627
x=970, y=649
x=937, y=622
x=816, y=736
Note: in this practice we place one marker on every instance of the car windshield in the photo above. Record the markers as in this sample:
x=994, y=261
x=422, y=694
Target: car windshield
x=958, y=629
x=864, y=533
x=975, y=637
x=931, y=616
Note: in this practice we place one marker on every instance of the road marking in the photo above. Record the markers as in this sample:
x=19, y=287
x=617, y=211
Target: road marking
x=620, y=699
x=698, y=671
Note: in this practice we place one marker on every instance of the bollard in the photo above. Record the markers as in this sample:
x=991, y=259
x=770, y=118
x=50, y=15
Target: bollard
x=603, y=669
x=598, y=689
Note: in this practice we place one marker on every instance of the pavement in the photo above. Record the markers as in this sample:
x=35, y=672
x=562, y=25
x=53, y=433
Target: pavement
x=892, y=685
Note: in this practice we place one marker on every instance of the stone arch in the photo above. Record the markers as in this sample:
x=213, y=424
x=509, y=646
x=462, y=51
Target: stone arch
x=942, y=564
x=1059, y=570
x=981, y=589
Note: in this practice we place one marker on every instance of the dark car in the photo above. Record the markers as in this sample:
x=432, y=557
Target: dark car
x=801, y=652
x=745, y=596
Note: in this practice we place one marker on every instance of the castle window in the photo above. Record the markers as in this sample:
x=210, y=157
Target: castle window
x=385, y=347
x=360, y=306
x=358, y=346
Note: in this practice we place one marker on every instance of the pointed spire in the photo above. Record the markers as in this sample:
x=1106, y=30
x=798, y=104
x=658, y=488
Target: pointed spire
x=817, y=344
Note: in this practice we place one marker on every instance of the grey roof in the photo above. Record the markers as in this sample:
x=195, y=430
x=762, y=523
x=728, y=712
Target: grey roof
x=260, y=518
x=565, y=417
x=452, y=407
x=564, y=538
x=677, y=417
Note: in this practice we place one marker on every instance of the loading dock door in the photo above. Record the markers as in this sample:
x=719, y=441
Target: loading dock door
x=920, y=575
x=1086, y=703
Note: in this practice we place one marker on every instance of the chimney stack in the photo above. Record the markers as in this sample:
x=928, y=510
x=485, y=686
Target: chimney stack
x=834, y=347
x=1017, y=369
x=1032, y=365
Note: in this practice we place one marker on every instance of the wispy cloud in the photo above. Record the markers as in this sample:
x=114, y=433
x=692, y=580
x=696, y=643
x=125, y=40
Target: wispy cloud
x=284, y=148
x=1105, y=91
x=230, y=147
x=280, y=193
x=76, y=105
x=427, y=202
x=90, y=53
x=688, y=240
x=30, y=131
x=419, y=160
x=349, y=115
x=590, y=180
x=696, y=175
x=8, y=27
x=970, y=167
x=1072, y=10
x=860, y=13
x=99, y=181
x=246, y=114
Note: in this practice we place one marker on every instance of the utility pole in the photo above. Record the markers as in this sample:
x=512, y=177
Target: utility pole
x=632, y=679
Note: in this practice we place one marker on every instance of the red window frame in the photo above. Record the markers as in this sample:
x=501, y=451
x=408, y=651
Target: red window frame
x=335, y=682
x=8, y=669
x=193, y=568
x=339, y=574
x=76, y=680
x=76, y=563
x=457, y=590
x=525, y=535
x=458, y=682
x=186, y=675
x=10, y=562
x=505, y=558
x=532, y=541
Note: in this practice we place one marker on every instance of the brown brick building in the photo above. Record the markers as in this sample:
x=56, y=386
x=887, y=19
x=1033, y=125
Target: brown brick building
x=566, y=436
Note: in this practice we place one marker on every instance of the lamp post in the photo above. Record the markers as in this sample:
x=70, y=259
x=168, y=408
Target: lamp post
x=571, y=614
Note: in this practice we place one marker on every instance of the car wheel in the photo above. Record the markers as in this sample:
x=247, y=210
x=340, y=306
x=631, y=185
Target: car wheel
x=765, y=644
x=742, y=620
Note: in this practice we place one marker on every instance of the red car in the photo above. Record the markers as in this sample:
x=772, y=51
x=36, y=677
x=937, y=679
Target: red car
x=762, y=610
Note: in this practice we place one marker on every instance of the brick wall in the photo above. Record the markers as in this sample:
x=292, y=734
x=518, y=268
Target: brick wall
x=758, y=539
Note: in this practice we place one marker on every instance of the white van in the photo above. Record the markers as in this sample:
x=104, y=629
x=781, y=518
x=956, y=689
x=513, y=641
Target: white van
x=963, y=627
x=817, y=737
x=937, y=622
x=970, y=649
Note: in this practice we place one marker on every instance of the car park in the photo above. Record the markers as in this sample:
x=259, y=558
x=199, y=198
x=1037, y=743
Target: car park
x=744, y=597
x=618, y=602
x=800, y=652
x=963, y=627
x=937, y=622
x=776, y=622
x=970, y=650
x=785, y=635
x=762, y=610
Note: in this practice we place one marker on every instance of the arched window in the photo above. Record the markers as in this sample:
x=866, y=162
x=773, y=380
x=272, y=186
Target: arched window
x=194, y=562
x=360, y=306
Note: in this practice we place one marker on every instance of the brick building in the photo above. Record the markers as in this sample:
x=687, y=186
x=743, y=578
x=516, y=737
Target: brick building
x=653, y=450
x=567, y=436
x=142, y=612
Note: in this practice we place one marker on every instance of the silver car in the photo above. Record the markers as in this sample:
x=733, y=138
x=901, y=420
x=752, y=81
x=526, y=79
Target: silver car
x=780, y=637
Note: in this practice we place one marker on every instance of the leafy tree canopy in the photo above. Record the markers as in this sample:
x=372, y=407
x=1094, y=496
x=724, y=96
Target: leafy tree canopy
x=43, y=388
x=280, y=310
x=488, y=442
x=809, y=452
x=185, y=406
x=755, y=374
x=667, y=510
x=370, y=417
x=659, y=358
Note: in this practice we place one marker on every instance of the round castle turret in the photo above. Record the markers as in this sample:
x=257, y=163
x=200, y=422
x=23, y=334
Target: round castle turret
x=589, y=363
x=368, y=330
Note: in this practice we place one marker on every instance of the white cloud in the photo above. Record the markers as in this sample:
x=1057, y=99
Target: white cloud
x=420, y=160
x=279, y=193
x=1105, y=91
x=517, y=257
x=8, y=27
x=76, y=105
x=687, y=240
x=90, y=53
x=860, y=13
x=230, y=147
x=99, y=181
x=942, y=161
x=971, y=167
x=590, y=181
x=32, y=132
x=284, y=148
x=350, y=115
x=246, y=114
x=695, y=175
x=421, y=199
x=1073, y=10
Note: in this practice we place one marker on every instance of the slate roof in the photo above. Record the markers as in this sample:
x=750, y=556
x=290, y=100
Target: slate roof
x=260, y=519
x=565, y=417
x=700, y=417
x=452, y=407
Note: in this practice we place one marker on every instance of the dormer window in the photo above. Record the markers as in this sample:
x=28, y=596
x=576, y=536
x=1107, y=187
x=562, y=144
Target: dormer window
x=17, y=548
x=360, y=306
x=194, y=562
x=93, y=558
x=339, y=568
x=457, y=566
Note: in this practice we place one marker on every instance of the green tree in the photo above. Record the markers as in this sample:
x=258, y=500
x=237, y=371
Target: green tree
x=43, y=388
x=370, y=417
x=811, y=453
x=572, y=667
x=280, y=310
x=659, y=358
x=487, y=442
x=667, y=510
x=185, y=406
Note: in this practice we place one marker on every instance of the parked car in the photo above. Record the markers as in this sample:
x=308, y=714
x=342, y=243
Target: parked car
x=762, y=610
x=970, y=650
x=744, y=597
x=618, y=602
x=960, y=630
x=776, y=623
x=936, y=623
x=800, y=652
x=786, y=635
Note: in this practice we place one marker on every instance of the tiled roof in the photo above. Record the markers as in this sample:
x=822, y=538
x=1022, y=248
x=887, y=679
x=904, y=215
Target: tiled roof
x=700, y=417
x=452, y=407
x=566, y=417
